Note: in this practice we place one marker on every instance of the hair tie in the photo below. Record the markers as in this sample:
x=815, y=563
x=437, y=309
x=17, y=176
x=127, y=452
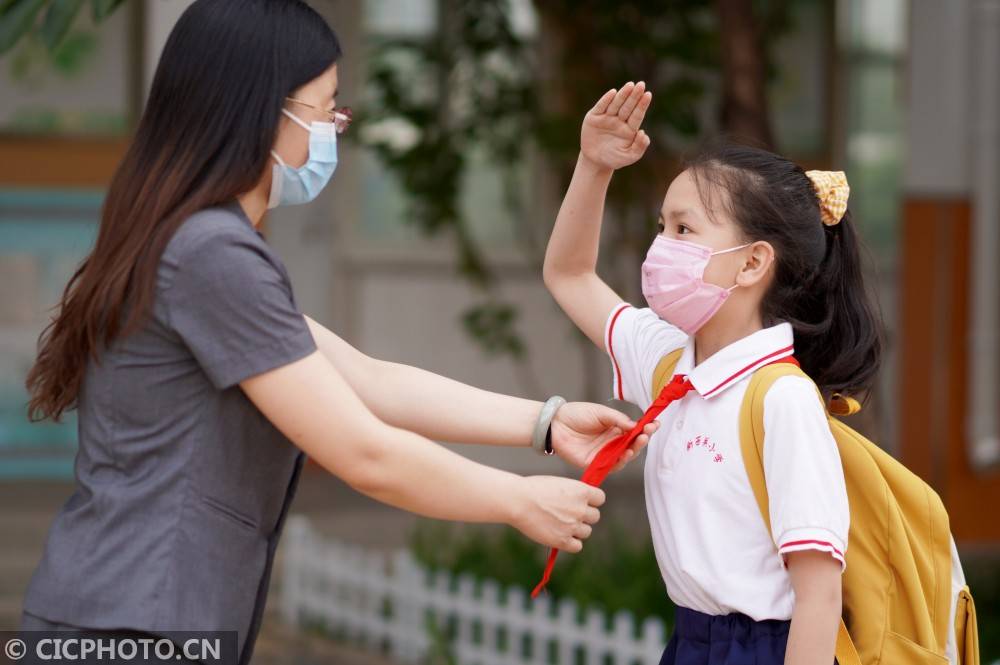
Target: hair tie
x=832, y=190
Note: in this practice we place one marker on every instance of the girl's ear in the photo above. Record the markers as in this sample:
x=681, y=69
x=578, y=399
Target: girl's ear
x=757, y=265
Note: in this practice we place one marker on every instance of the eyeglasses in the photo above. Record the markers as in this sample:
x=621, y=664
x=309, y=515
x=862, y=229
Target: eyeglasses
x=340, y=117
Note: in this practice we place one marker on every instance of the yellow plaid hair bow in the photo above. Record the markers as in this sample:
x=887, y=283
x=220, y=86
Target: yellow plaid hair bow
x=832, y=190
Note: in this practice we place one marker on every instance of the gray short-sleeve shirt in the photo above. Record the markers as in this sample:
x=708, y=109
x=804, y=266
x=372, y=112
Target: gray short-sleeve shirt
x=182, y=485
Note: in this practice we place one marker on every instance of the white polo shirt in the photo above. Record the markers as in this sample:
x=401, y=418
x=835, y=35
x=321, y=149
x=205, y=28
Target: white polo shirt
x=711, y=543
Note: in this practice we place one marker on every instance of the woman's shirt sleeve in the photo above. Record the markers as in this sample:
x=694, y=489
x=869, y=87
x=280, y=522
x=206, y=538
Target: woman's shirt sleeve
x=803, y=472
x=231, y=303
x=636, y=340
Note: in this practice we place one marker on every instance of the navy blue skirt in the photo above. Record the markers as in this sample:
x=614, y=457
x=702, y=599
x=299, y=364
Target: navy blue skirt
x=729, y=639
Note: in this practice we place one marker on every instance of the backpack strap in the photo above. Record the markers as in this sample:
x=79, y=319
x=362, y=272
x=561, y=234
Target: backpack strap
x=966, y=630
x=664, y=371
x=752, y=446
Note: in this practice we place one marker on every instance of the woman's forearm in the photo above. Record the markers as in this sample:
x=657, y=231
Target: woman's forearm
x=447, y=410
x=432, y=405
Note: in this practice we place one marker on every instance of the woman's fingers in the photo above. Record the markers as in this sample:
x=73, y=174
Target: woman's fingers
x=620, y=98
x=596, y=497
x=602, y=104
x=582, y=531
x=626, y=457
x=640, y=442
x=639, y=111
x=550, y=510
x=632, y=101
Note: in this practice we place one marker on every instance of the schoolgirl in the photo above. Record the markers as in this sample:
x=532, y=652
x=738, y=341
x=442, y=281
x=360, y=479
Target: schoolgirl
x=755, y=261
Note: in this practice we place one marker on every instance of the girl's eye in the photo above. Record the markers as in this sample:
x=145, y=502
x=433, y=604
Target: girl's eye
x=682, y=230
x=660, y=227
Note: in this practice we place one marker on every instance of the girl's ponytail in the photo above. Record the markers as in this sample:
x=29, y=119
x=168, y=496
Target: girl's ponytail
x=839, y=335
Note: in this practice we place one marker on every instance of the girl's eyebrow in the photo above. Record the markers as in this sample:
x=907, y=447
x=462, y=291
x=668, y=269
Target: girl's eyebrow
x=676, y=214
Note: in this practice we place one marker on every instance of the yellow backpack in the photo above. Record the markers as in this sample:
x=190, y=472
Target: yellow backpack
x=903, y=574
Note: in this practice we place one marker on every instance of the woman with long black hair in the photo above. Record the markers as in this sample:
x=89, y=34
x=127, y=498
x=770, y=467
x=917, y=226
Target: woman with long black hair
x=199, y=384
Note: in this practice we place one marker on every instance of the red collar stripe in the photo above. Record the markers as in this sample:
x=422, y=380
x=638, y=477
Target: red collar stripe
x=752, y=366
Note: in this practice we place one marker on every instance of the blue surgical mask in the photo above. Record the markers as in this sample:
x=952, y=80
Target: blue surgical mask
x=291, y=186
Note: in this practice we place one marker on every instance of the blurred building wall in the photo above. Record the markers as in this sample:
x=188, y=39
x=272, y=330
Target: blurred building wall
x=949, y=378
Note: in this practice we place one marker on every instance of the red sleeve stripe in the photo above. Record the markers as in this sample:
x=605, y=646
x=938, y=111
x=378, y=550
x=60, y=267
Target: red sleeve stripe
x=611, y=351
x=812, y=542
x=787, y=350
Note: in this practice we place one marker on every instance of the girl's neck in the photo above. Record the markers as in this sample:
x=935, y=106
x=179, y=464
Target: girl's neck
x=717, y=335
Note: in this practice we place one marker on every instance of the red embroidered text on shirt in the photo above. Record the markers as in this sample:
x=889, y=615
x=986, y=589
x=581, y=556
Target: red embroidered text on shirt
x=705, y=443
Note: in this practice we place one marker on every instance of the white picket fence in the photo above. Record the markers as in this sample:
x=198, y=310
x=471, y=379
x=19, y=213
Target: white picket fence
x=390, y=603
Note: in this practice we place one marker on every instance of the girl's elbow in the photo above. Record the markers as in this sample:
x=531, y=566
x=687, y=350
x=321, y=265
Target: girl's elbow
x=557, y=277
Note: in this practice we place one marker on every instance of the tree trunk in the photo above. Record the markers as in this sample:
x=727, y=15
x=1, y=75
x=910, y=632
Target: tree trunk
x=744, y=73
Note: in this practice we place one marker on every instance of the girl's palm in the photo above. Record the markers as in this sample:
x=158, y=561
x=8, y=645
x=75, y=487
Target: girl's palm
x=611, y=137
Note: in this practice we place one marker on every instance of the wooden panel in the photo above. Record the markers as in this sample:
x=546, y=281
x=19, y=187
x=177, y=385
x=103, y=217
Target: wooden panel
x=59, y=162
x=933, y=357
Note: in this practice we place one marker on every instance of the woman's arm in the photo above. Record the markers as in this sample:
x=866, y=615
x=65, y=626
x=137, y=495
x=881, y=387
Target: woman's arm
x=816, y=580
x=610, y=139
x=447, y=410
x=315, y=408
x=438, y=407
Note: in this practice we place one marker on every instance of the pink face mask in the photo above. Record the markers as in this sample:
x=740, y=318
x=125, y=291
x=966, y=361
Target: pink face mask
x=673, y=282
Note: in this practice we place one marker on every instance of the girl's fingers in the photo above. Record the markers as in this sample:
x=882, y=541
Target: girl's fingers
x=639, y=112
x=602, y=104
x=620, y=98
x=591, y=516
x=632, y=101
x=640, y=143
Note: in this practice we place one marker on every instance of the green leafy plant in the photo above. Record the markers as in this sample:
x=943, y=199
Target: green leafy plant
x=19, y=18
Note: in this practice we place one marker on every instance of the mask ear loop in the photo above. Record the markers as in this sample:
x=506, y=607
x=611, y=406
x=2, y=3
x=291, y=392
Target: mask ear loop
x=732, y=249
x=297, y=120
x=726, y=251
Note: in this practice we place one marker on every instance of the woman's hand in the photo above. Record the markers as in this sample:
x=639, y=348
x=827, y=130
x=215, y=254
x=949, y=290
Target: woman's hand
x=580, y=429
x=556, y=512
x=611, y=138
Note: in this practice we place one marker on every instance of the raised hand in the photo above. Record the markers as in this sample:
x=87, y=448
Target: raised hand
x=611, y=137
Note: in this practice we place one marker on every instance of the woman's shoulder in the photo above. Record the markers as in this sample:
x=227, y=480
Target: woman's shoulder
x=213, y=227
x=218, y=243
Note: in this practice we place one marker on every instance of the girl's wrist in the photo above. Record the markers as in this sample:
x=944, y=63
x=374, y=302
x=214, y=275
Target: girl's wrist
x=588, y=167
